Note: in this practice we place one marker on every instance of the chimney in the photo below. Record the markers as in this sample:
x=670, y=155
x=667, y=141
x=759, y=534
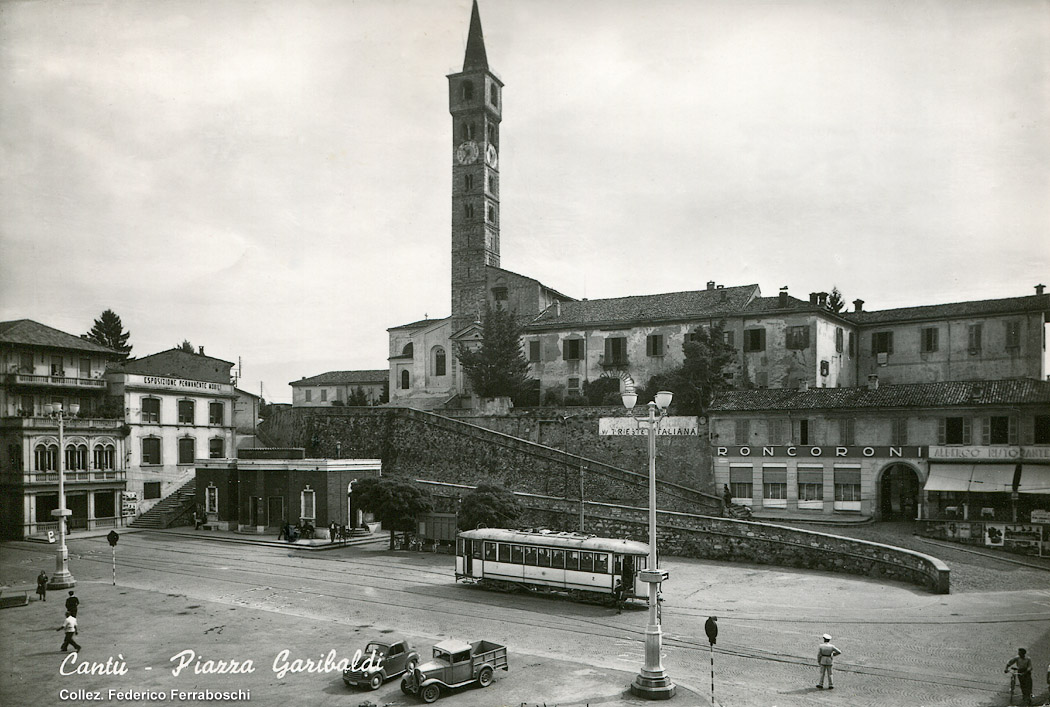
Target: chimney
x=710, y=284
x=723, y=296
x=803, y=384
x=1039, y=289
x=822, y=299
x=873, y=382
x=858, y=305
x=813, y=297
x=201, y=350
x=783, y=297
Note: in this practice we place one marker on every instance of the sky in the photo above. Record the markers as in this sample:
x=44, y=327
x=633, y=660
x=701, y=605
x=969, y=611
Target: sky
x=271, y=180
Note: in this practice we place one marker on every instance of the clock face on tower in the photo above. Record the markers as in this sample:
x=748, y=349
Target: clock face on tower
x=467, y=153
x=490, y=155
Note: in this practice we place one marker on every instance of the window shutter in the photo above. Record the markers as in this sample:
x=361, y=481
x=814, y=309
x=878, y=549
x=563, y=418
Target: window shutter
x=1027, y=430
x=762, y=339
x=874, y=339
x=986, y=430
x=565, y=350
x=889, y=342
x=649, y=345
x=608, y=351
x=967, y=439
x=941, y=430
x=1011, y=435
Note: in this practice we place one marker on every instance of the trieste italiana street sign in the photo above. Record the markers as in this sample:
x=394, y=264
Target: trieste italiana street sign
x=670, y=426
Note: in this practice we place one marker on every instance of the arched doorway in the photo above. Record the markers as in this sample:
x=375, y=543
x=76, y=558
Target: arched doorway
x=899, y=492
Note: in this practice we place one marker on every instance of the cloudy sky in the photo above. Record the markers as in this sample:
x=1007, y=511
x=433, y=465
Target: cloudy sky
x=271, y=179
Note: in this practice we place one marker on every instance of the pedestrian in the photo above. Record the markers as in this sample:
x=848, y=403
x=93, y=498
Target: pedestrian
x=72, y=603
x=727, y=495
x=331, y=531
x=283, y=531
x=41, y=585
x=1023, y=664
x=620, y=595
x=70, y=627
x=825, y=653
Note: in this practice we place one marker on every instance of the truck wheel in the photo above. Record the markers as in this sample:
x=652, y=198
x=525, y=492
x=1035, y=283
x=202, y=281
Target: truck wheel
x=430, y=693
x=376, y=681
x=404, y=686
x=485, y=677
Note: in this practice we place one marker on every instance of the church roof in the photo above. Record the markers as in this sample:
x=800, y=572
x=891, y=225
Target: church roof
x=26, y=332
x=475, y=57
x=909, y=395
x=671, y=306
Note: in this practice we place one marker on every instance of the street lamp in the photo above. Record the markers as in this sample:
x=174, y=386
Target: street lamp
x=61, y=579
x=652, y=682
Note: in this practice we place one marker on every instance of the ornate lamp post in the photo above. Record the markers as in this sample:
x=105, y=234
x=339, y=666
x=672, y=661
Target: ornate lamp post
x=652, y=682
x=61, y=579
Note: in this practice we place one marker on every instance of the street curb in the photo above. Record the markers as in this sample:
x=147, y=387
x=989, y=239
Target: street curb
x=207, y=536
x=962, y=548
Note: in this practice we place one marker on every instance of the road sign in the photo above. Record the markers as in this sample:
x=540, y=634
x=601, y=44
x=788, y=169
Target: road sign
x=113, y=538
x=670, y=426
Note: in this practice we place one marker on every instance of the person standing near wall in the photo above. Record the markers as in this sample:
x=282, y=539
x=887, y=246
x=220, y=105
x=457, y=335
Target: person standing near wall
x=825, y=656
x=41, y=585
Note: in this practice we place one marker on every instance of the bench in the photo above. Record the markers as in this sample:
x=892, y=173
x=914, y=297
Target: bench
x=13, y=597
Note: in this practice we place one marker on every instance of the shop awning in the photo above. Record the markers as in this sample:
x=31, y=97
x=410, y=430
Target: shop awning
x=949, y=477
x=992, y=478
x=1034, y=479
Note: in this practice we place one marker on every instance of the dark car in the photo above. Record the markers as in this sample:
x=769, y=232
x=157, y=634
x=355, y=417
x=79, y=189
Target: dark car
x=393, y=657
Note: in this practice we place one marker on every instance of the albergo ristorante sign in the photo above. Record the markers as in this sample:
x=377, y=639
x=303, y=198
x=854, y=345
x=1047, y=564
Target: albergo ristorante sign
x=815, y=452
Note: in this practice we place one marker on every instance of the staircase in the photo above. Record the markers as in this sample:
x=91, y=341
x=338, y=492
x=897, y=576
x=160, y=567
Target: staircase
x=168, y=510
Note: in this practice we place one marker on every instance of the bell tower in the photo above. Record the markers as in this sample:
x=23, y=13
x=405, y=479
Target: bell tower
x=475, y=100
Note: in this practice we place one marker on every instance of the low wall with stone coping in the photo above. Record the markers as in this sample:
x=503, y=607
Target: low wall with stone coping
x=707, y=537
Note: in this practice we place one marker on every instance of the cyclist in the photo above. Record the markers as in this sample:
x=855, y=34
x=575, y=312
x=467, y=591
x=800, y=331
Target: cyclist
x=1023, y=665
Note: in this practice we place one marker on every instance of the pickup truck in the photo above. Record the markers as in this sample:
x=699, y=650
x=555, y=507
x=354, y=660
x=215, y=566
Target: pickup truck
x=455, y=664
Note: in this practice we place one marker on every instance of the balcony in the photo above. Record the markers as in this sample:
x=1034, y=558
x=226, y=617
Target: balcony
x=613, y=362
x=62, y=381
x=75, y=424
x=79, y=476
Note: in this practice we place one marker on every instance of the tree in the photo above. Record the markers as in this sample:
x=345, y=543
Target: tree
x=700, y=376
x=395, y=503
x=108, y=331
x=357, y=397
x=498, y=367
x=186, y=346
x=602, y=391
x=835, y=302
x=488, y=506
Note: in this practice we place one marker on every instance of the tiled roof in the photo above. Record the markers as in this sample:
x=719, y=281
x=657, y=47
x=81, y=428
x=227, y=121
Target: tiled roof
x=772, y=304
x=419, y=324
x=26, y=332
x=1031, y=303
x=176, y=363
x=559, y=295
x=672, y=306
x=380, y=375
x=912, y=395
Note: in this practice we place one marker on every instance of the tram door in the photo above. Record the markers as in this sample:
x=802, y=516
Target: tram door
x=468, y=558
x=627, y=573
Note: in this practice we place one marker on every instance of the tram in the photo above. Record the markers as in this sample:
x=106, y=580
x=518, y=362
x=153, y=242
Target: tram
x=585, y=567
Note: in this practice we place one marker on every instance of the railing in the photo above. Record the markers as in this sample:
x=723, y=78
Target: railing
x=74, y=476
x=58, y=381
x=42, y=529
x=71, y=424
x=612, y=361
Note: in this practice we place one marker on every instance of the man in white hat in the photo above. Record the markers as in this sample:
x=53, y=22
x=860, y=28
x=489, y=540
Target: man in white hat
x=825, y=653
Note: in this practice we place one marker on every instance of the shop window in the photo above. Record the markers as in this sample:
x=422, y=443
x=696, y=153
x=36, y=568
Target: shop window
x=572, y=349
x=215, y=413
x=187, y=450
x=973, y=338
x=654, y=345
x=953, y=430
x=216, y=448
x=754, y=340
x=105, y=504
x=810, y=491
x=797, y=338
x=151, y=410
x=1041, y=429
x=186, y=409
x=151, y=450
x=774, y=484
x=150, y=490
x=45, y=503
x=439, y=361
x=999, y=429
x=929, y=340
x=742, y=430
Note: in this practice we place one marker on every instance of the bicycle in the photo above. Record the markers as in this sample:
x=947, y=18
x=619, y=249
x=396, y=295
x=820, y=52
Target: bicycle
x=1013, y=682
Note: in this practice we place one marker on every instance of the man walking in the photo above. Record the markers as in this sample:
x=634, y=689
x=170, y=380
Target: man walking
x=72, y=604
x=825, y=654
x=70, y=627
x=1023, y=664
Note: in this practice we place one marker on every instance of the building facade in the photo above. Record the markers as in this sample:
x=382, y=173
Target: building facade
x=42, y=366
x=887, y=451
x=780, y=342
x=179, y=407
x=341, y=388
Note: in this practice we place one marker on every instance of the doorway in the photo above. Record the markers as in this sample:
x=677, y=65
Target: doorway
x=275, y=508
x=899, y=491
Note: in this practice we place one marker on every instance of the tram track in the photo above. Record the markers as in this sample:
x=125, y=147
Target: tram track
x=276, y=576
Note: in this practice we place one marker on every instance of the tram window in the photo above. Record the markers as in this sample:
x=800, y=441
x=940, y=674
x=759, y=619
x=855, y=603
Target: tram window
x=517, y=554
x=543, y=557
x=601, y=563
x=490, y=551
x=641, y=562
x=558, y=559
x=617, y=564
x=586, y=561
x=477, y=550
x=459, y=547
x=572, y=560
x=530, y=556
x=504, y=552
